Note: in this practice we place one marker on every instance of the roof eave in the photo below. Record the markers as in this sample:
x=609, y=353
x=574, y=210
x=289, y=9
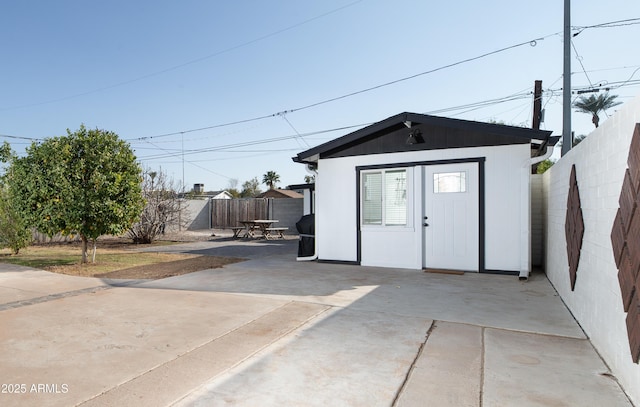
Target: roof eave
x=312, y=155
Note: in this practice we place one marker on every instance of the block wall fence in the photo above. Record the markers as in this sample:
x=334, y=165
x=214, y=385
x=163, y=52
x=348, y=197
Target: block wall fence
x=596, y=301
x=200, y=214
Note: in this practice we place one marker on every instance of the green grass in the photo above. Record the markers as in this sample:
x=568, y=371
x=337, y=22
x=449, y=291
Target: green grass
x=67, y=259
x=39, y=258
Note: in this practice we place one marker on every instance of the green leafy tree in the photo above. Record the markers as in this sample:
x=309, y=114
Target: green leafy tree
x=232, y=188
x=576, y=140
x=595, y=104
x=85, y=183
x=250, y=188
x=271, y=178
x=14, y=232
x=544, y=166
x=5, y=152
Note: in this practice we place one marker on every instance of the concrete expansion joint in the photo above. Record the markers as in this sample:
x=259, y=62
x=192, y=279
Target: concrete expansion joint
x=198, y=357
x=413, y=363
x=52, y=297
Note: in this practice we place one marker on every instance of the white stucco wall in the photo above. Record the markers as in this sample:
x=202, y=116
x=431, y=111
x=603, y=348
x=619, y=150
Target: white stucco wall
x=336, y=234
x=195, y=215
x=507, y=200
x=506, y=211
x=596, y=303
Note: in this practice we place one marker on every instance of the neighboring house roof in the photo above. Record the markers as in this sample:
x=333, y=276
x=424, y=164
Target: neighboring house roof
x=215, y=195
x=429, y=133
x=299, y=187
x=280, y=193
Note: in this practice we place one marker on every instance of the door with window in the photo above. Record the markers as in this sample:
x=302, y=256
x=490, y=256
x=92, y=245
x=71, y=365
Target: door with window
x=451, y=216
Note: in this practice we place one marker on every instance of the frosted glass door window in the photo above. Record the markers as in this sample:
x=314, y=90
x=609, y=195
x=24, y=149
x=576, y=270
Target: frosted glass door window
x=449, y=182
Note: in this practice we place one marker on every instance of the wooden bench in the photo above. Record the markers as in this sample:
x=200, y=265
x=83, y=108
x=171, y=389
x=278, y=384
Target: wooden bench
x=237, y=230
x=269, y=231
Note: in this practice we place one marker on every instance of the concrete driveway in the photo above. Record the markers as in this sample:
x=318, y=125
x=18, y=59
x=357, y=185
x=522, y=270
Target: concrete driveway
x=271, y=331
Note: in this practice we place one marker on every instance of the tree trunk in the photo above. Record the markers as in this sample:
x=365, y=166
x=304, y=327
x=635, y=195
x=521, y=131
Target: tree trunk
x=84, y=249
x=93, y=258
x=595, y=119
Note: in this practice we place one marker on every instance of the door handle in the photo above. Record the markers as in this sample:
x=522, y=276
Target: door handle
x=425, y=224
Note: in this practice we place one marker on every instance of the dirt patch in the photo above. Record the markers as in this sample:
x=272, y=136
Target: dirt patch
x=120, y=258
x=171, y=268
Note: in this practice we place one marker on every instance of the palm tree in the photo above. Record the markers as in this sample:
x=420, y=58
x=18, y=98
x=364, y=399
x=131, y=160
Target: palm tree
x=271, y=178
x=594, y=105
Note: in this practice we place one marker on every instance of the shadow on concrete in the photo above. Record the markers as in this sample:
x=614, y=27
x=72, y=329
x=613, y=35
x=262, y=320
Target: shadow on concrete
x=271, y=270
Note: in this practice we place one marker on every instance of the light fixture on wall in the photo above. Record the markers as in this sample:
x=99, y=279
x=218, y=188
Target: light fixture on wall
x=415, y=137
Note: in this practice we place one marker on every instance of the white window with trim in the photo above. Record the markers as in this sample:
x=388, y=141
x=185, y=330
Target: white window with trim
x=384, y=197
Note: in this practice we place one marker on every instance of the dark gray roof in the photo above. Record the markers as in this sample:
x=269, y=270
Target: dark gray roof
x=437, y=132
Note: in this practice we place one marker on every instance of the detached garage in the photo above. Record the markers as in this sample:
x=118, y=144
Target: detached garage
x=417, y=191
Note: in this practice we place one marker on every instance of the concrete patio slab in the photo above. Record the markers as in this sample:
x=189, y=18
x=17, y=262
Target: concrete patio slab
x=479, y=299
x=19, y=283
x=173, y=379
x=272, y=331
x=343, y=360
x=539, y=370
x=448, y=371
x=97, y=341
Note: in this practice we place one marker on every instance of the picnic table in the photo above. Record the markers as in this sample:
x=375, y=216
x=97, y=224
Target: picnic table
x=259, y=225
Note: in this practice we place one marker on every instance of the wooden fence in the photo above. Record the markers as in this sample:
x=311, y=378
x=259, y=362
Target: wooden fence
x=226, y=213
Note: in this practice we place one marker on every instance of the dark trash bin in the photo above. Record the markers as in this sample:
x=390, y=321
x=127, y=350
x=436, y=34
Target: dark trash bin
x=306, y=229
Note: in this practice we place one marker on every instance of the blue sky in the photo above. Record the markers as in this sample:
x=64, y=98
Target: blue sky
x=154, y=72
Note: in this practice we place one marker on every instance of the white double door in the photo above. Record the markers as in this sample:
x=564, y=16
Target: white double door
x=451, y=216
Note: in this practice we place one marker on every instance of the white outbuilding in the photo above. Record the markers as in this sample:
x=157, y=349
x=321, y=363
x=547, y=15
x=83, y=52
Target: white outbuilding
x=424, y=192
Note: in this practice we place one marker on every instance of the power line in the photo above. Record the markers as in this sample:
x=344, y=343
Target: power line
x=614, y=69
x=228, y=148
x=284, y=116
x=628, y=80
x=579, y=58
x=215, y=126
x=478, y=105
x=257, y=153
x=611, y=24
x=344, y=96
x=194, y=61
x=248, y=143
x=218, y=148
x=19, y=137
x=469, y=107
x=606, y=85
x=313, y=133
x=196, y=165
x=532, y=43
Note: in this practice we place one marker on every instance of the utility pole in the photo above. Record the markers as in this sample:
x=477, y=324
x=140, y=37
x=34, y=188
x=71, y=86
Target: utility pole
x=567, y=140
x=537, y=105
